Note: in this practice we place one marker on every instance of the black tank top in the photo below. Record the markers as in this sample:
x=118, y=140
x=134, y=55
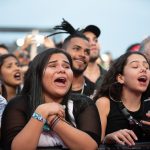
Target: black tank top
x=116, y=119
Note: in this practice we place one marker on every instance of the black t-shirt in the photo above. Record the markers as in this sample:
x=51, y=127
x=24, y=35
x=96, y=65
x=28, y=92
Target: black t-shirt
x=116, y=120
x=88, y=88
x=101, y=77
x=17, y=114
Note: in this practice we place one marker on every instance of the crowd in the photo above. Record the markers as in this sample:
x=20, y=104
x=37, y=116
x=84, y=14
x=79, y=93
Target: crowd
x=65, y=98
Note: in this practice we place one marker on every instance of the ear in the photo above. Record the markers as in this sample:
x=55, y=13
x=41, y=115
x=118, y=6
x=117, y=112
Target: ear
x=120, y=78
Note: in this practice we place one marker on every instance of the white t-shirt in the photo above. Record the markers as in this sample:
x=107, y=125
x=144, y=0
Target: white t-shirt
x=3, y=103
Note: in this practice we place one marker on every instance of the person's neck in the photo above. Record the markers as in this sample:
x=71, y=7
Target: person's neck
x=50, y=99
x=92, y=66
x=92, y=72
x=78, y=82
x=131, y=100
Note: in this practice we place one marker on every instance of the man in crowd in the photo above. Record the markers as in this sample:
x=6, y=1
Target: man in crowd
x=94, y=71
x=77, y=45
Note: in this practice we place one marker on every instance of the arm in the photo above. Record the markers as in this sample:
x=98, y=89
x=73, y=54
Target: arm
x=121, y=136
x=17, y=132
x=74, y=138
x=102, y=103
x=86, y=133
x=28, y=137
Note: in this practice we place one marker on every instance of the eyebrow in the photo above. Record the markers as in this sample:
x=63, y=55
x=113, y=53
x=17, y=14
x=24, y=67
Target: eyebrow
x=137, y=61
x=54, y=61
x=77, y=46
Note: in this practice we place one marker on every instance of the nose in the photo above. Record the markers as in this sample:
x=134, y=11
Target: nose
x=16, y=67
x=92, y=42
x=82, y=53
x=143, y=69
x=61, y=69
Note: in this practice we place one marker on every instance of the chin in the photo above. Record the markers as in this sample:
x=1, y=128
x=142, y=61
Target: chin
x=61, y=93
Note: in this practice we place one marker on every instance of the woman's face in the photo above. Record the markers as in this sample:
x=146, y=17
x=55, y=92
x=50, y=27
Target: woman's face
x=136, y=74
x=10, y=72
x=57, y=76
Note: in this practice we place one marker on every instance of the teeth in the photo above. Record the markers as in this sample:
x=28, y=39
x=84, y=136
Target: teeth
x=17, y=74
x=142, y=79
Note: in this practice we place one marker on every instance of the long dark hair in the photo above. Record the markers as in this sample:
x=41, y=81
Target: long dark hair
x=115, y=69
x=3, y=89
x=33, y=77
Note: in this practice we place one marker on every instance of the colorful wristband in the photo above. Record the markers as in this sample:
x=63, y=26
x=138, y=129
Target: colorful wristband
x=38, y=117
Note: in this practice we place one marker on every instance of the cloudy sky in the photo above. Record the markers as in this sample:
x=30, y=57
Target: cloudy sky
x=122, y=22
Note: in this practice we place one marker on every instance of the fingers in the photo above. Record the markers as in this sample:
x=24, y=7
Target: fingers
x=148, y=114
x=128, y=137
x=61, y=111
x=145, y=122
x=124, y=136
x=56, y=110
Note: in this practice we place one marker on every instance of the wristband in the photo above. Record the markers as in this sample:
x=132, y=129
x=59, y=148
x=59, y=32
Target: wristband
x=54, y=121
x=38, y=117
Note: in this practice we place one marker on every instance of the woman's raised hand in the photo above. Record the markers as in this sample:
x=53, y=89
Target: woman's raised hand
x=51, y=109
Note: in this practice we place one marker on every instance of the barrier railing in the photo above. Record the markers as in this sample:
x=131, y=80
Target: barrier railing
x=137, y=146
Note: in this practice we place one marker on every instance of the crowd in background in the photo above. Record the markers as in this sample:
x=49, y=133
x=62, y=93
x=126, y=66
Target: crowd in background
x=71, y=94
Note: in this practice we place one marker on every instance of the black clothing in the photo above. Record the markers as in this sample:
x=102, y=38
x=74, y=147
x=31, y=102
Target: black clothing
x=116, y=120
x=88, y=88
x=17, y=114
x=100, y=79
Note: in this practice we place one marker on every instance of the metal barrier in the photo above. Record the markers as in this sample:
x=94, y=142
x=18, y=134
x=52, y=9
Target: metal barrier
x=137, y=146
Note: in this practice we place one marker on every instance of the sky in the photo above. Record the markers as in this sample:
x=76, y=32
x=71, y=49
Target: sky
x=122, y=22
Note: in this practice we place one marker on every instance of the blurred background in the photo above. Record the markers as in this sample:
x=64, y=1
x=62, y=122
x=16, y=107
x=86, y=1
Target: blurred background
x=122, y=22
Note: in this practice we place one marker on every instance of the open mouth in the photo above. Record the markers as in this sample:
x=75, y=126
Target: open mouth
x=142, y=79
x=17, y=76
x=60, y=80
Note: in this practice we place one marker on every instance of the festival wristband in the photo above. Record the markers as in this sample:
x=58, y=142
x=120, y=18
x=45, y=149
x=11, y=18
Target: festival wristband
x=38, y=117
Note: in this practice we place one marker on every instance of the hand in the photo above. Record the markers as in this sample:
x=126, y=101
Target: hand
x=122, y=137
x=51, y=109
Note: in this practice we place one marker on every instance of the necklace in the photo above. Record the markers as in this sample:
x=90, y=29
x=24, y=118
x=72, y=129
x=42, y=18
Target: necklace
x=82, y=90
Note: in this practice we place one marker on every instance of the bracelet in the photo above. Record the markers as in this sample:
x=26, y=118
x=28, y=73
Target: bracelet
x=54, y=122
x=38, y=117
x=66, y=121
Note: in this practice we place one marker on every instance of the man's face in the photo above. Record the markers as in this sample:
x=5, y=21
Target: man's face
x=79, y=49
x=94, y=45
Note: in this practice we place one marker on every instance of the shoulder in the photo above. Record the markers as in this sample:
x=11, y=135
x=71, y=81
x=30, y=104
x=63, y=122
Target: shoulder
x=81, y=100
x=76, y=97
x=102, y=70
x=103, y=102
x=18, y=102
